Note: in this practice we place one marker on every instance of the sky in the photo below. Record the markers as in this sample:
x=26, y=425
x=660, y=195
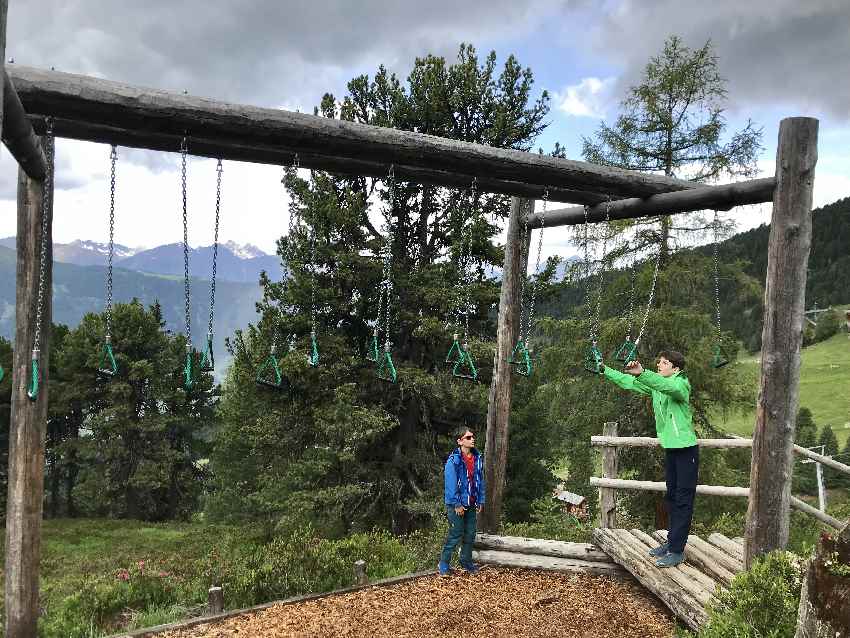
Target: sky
x=781, y=58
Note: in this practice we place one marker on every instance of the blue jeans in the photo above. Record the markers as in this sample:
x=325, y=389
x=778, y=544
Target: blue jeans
x=461, y=528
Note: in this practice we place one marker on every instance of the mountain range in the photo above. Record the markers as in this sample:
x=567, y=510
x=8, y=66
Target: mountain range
x=237, y=263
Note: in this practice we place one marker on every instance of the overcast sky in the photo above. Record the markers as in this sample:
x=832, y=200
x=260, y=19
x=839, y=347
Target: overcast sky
x=781, y=58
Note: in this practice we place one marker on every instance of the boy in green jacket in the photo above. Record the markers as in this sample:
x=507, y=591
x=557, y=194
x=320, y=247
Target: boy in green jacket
x=671, y=392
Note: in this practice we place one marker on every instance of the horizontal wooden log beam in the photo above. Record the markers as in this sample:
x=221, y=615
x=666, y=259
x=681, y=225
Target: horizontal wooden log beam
x=722, y=197
x=19, y=136
x=89, y=132
x=542, y=547
x=156, y=112
x=823, y=460
x=712, y=490
x=648, y=441
x=538, y=561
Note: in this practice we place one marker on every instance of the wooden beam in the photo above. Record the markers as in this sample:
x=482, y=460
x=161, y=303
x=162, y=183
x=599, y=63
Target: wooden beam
x=782, y=334
x=280, y=156
x=501, y=386
x=18, y=134
x=150, y=111
x=700, y=198
x=538, y=561
x=823, y=460
x=814, y=512
x=28, y=422
x=661, y=486
x=648, y=441
x=541, y=547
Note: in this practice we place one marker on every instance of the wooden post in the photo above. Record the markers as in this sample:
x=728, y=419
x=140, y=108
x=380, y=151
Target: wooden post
x=607, y=495
x=501, y=387
x=784, y=304
x=360, y=576
x=28, y=418
x=215, y=600
x=4, y=10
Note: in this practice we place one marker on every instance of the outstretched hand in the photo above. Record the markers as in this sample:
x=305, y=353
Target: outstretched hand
x=634, y=368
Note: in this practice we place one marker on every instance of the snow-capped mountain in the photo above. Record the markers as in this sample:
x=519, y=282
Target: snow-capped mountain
x=82, y=252
x=244, y=251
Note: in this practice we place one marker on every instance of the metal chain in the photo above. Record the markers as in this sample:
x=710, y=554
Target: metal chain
x=523, y=259
x=651, y=296
x=529, y=318
x=717, y=274
x=218, y=169
x=47, y=191
x=113, y=157
x=630, y=317
x=313, y=274
x=467, y=266
x=594, y=323
x=386, y=283
x=184, y=150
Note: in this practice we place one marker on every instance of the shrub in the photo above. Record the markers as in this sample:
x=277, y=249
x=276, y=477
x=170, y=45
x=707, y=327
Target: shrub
x=548, y=520
x=761, y=602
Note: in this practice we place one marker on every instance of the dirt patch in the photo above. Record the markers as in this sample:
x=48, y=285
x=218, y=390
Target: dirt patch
x=495, y=602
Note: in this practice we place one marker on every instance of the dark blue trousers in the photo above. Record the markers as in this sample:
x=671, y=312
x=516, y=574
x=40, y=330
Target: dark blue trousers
x=461, y=530
x=681, y=467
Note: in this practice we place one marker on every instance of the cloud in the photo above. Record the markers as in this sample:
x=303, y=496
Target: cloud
x=588, y=98
x=779, y=53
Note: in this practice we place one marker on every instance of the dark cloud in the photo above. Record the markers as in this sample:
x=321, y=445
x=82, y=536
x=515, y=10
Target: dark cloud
x=776, y=53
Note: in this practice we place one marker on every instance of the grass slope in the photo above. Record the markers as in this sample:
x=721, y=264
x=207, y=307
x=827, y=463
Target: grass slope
x=824, y=388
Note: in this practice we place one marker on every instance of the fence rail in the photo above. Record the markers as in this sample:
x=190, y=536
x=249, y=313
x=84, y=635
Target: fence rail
x=609, y=483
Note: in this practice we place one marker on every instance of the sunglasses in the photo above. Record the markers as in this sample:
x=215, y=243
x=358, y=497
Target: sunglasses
x=468, y=436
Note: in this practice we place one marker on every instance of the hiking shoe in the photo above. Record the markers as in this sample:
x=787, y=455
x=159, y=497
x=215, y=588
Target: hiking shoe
x=444, y=569
x=661, y=550
x=471, y=568
x=670, y=560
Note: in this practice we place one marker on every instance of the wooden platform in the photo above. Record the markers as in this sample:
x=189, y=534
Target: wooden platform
x=686, y=589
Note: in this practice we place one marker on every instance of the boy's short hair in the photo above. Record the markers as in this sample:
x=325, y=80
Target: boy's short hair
x=460, y=431
x=675, y=357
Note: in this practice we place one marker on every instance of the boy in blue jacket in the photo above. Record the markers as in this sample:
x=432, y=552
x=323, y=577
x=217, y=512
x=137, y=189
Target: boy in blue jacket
x=464, y=497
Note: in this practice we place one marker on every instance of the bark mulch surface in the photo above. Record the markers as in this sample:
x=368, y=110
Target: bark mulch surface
x=495, y=602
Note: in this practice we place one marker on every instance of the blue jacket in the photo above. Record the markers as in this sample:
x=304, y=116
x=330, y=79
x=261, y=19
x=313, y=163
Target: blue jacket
x=457, y=483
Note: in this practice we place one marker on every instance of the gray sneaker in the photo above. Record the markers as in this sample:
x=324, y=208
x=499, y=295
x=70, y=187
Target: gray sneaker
x=670, y=560
x=660, y=551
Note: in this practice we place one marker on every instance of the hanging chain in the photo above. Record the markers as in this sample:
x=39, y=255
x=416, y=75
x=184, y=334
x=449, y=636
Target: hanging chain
x=218, y=169
x=529, y=318
x=594, y=323
x=46, y=192
x=386, y=283
x=467, y=265
x=717, y=275
x=313, y=274
x=651, y=296
x=184, y=150
x=113, y=156
x=523, y=259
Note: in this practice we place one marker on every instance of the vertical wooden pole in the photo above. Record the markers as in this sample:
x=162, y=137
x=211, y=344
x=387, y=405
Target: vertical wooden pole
x=501, y=387
x=608, y=496
x=784, y=304
x=4, y=10
x=28, y=418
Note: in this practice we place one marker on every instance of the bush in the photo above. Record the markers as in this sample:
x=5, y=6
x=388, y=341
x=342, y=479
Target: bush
x=548, y=520
x=761, y=602
x=828, y=325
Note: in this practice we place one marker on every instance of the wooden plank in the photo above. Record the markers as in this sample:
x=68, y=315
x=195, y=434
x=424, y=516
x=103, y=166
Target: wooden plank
x=18, y=134
x=607, y=496
x=542, y=547
x=823, y=460
x=28, y=418
x=682, y=604
x=814, y=512
x=708, y=583
x=125, y=107
x=680, y=574
x=648, y=441
x=532, y=561
x=729, y=546
x=501, y=385
x=722, y=558
x=768, y=517
x=722, y=197
x=281, y=156
x=703, y=561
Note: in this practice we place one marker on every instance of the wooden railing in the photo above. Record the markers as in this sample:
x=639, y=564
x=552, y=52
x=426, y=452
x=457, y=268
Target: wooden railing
x=609, y=483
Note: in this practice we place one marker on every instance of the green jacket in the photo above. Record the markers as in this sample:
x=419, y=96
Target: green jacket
x=670, y=402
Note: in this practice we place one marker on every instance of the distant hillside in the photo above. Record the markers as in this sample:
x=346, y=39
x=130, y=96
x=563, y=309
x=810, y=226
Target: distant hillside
x=81, y=289
x=168, y=260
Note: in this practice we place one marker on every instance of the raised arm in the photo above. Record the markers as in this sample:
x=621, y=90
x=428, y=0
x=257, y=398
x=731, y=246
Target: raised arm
x=625, y=381
x=675, y=386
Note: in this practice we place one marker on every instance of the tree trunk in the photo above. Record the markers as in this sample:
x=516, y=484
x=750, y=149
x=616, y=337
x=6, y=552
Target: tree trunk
x=825, y=598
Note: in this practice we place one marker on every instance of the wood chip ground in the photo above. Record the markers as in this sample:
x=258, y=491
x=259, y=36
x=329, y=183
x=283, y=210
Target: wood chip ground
x=495, y=602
